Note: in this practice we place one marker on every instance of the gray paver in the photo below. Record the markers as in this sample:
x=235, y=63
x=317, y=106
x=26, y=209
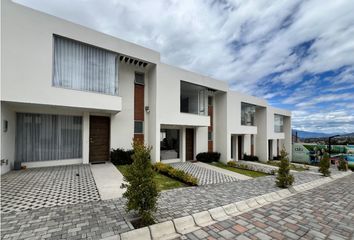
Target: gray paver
x=47, y=187
x=97, y=218
x=204, y=175
x=326, y=212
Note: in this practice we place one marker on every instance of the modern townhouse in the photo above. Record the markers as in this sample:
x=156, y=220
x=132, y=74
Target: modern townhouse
x=69, y=94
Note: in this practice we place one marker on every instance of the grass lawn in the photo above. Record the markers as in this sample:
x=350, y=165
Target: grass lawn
x=249, y=173
x=163, y=182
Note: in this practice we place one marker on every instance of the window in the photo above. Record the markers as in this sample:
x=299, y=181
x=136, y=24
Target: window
x=278, y=123
x=193, y=99
x=248, y=112
x=169, y=144
x=138, y=127
x=139, y=78
x=83, y=67
x=210, y=136
x=210, y=101
x=43, y=137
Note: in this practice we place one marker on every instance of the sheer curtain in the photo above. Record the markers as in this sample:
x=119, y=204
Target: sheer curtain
x=43, y=137
x=83, y=67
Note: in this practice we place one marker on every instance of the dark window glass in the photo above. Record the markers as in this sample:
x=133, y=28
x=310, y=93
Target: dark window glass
x=138, y=127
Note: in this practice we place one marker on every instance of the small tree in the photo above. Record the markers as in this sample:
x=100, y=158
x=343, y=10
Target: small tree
x=142, y=190
x=284, y=179
x=324, y=165
x=342, y=164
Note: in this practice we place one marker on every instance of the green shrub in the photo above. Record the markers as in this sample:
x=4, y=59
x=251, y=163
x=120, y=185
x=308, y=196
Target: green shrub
x=324, y=165
x=141, y=190
x=342, y=164
x=178, y=174
x=250, y=158
x=284, y=179
x=208, y=157
x=121, y=157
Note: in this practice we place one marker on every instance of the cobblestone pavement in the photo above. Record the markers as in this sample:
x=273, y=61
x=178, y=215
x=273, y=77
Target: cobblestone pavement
x=94, y=220
x=326, y=212
x=47, y=187
x=204, y=175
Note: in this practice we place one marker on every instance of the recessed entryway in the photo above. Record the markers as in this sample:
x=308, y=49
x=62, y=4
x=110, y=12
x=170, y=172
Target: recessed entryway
x=99, y=138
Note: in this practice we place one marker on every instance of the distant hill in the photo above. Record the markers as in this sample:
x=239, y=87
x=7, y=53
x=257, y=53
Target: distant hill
x=305, y=134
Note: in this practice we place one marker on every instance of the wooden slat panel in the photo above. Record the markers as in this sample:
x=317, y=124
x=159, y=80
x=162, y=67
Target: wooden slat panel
x=139, y=102
x=99, y=138
x=189, y=144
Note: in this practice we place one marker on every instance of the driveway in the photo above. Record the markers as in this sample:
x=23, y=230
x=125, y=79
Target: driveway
x=47, y=187
x=326, y=212
x=205, y=175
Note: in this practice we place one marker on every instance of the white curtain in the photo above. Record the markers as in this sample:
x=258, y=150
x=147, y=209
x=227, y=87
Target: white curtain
x=43, y=137
x=83, y=67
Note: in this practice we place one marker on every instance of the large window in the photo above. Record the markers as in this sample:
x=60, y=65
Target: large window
x=83, y=67
x=193, y=99
x=248, y=112
x=169, y=144
x=43, y=137
x=278, y=123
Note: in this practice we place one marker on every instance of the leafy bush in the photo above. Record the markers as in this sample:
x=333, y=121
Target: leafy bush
x=120, y=156
x=250, y=158
x=324, y=165
x=175, y=173
x=208, y=157
x=142, y=190
x=342, y=164
x=284, y=179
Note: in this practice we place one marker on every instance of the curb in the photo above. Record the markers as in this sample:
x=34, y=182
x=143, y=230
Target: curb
x=183, y=225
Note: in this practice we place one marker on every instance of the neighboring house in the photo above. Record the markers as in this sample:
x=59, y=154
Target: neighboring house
x=69, y=94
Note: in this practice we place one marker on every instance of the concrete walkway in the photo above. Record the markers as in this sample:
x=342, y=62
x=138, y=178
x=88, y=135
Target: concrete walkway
x=108, y=180
x=223, y=171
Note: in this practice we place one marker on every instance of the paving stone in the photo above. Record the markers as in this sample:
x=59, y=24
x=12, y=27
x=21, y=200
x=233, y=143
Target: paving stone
x=324, y=212
x=204, y=175
x=36, y=188
x=96, y=218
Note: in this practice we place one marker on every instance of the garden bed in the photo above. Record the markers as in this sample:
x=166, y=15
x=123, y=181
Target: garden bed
x=246, y=172
x=294, y=167
x=163, y=182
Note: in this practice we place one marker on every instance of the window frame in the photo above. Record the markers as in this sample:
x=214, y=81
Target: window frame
x=139, y=73
x=142, y=126
x=116, y=89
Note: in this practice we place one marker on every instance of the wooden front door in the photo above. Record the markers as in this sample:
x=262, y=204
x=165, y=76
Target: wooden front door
x=99, y=138
x=239, y=147
x=189, y=144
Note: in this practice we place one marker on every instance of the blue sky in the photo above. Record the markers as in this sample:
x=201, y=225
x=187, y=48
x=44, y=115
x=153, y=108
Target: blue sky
x=298, y=55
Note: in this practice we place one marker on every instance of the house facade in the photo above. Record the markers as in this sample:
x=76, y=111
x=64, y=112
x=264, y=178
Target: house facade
x=69, y=94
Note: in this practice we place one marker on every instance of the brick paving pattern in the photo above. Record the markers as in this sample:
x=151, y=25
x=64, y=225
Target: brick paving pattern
x=47, y=187
x=94, y=220
x=326, y=212
x=204, y=175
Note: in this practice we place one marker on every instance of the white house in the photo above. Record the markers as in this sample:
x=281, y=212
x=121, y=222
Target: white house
x=69, y=94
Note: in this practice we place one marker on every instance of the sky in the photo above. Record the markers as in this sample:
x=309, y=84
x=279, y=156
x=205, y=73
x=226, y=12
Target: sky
x=298, y=55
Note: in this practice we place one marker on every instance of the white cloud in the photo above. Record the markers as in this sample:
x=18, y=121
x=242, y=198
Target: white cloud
x=241, y=42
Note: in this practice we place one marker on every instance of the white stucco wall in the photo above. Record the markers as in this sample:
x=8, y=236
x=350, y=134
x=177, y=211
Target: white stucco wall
x=27, y=43
x=7, y=138
x=169, y=84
